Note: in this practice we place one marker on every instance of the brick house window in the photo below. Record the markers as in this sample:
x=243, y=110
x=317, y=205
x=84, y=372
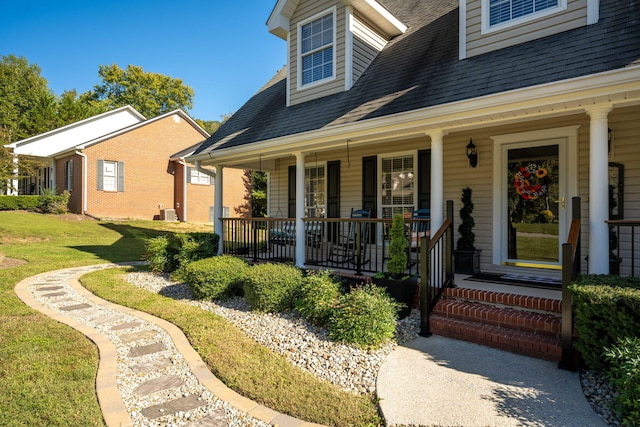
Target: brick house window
x=110, y=175
x=194, y=176
x=68, y=175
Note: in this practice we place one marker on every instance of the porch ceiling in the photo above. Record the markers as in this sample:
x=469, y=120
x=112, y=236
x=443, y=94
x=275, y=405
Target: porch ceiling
x=618, y=89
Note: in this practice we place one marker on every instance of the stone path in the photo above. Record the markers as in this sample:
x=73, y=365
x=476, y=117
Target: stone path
x=148, y=374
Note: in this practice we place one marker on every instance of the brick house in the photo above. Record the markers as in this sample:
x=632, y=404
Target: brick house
x=120, y=165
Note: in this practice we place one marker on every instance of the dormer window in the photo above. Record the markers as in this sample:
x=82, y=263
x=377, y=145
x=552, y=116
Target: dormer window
x=317, y=53
x=499, y=14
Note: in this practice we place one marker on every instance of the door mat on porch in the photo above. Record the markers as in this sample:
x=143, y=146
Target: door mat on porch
x=517, y=280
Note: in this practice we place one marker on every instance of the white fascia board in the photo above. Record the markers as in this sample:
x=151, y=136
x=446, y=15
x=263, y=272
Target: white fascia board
x=596, y=85
x=379, y=15
x=278, y=22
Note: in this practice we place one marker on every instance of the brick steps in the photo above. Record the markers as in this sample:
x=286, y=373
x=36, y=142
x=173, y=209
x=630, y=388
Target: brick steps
x=521, y=324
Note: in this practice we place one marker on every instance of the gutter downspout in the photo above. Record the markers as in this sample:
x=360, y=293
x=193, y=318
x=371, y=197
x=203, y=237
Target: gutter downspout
x=84, y=180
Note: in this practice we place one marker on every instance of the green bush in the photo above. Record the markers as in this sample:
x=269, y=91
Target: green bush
x=271, y=288
x=365, y=317
x=318, y=296
x=215, y=278
x=50, y=202
x=607, y=308
x=15, y=203
x=624, y=373
x=170, y=253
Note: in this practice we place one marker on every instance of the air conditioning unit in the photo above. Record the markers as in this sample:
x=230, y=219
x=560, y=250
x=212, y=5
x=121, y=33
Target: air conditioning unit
x=168, y=215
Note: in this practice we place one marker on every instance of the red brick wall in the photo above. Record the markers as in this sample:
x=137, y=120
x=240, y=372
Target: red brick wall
x=75, y=199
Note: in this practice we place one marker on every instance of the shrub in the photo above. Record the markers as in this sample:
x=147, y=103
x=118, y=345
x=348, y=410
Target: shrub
x=365, y=317
x=397, y=263
x=624, y=373
x=170, y=253
x=318, y=297
x=545, y=217
x=607, y=308
x=215, y=278
x=51, y=203
x=271, y=287
x=14, y=203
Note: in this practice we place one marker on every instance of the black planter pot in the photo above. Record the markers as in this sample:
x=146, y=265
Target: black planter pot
x=403, y=291
x=467, y=262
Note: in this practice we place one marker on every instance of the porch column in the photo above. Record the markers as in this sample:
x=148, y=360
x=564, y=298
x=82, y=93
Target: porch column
x=598, y=190
x=217, y=207
x=300, y=244
x=13, y=186
x=437, y=180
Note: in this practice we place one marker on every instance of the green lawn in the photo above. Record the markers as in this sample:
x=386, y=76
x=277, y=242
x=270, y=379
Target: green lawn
x=47, y=370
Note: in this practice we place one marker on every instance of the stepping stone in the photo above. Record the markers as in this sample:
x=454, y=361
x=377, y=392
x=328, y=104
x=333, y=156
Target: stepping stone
x=90, y=313
x=60, y=301
x=106, y=319
x=49, y=288
x=154, y=365
x=128, y=325
x=55, y=294
x=143, y=350
x=75, y=307
x=216, y=419
x=158, y=384
x=182, y=404
x=129, y=338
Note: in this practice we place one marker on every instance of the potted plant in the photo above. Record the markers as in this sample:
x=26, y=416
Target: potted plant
x=399, y=285
x=466, y=256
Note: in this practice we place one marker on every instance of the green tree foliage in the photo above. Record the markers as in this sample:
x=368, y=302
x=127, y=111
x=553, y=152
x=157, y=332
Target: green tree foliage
x=255, y=197
x=151, y=94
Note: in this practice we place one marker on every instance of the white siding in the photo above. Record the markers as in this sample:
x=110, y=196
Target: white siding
x=367, y=43
x=574, y=16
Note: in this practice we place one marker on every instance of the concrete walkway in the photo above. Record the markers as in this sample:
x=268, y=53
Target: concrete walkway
x=59, y=295
x=439, y=381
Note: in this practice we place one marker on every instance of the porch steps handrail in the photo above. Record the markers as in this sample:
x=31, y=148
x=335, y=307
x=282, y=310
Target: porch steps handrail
x=436, y=268
x=570, y=271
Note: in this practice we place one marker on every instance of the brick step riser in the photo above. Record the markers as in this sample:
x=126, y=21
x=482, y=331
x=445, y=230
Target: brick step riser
x=519, y=342
x=536, y=304
x=519, y=320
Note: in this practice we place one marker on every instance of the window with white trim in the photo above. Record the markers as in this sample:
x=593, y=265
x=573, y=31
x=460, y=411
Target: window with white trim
x=500, y=12
x=68, y=175
x=314, y=192
x=110, y=176
x=398, y=183
x=197, y=177
x=316, y=47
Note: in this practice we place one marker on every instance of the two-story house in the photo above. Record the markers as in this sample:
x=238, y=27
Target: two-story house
x=395, y=105
x=120, y=165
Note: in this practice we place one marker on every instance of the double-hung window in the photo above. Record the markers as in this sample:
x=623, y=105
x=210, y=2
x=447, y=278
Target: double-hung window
x=503, y=12
x=196, y=177
x=317, y=39
x=110, y=176
x=68, y=175
x=397, y=185
x=314, y=192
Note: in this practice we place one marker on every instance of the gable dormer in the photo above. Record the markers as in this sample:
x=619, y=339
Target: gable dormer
x=330, y=43
x=488, y=25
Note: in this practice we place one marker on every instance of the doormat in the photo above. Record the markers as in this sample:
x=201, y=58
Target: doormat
x=518, y=280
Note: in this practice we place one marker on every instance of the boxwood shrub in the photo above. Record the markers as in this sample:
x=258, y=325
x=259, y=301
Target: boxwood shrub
x=215, y=278
x=14, y=203
x=318, y=296
x=365, y=317
x=271, y=288
x=607, y=308
x=623, y=360
x=171, y=252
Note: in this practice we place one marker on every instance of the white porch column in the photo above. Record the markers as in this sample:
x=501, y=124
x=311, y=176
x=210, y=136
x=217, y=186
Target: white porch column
x=437, y=179
x=217, y=207
x=300, y=244
x=598, y=190
x=13, y=186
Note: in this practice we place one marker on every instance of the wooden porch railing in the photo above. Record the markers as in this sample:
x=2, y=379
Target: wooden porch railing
x=436, y=268
x=570, y=271
x=348, y=244
x=623, y=233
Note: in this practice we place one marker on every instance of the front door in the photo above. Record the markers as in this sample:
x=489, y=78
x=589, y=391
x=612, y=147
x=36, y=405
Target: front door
x=535, y=178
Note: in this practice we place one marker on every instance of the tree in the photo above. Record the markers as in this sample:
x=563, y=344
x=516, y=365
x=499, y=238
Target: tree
x=255, y=198
x=151, y=94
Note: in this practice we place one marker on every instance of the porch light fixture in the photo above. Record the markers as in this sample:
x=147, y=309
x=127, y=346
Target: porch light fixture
x=472, y=154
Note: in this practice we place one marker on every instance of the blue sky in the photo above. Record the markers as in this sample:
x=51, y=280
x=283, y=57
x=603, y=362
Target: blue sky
x=221, y=49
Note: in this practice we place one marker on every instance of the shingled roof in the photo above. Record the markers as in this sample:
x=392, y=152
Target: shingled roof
x=421, y=69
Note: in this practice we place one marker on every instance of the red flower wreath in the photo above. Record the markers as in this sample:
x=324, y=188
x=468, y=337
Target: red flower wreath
x=522, y=182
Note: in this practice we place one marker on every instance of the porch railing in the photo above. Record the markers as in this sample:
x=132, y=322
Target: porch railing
x=436, y=268
x=570, y=271
x=345, y=244
x=622, y=234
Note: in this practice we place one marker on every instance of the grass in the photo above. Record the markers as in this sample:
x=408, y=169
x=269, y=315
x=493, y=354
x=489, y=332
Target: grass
x=47, y=370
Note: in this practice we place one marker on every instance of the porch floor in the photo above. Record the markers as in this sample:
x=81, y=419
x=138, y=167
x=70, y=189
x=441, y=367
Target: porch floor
x=461, y=282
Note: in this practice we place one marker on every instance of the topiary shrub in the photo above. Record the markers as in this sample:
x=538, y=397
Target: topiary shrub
x=157, y=254
x=365, y=317
x=397, y=263
x=607, y=308
x=271, y=288
x=318, y=296
x=624, y=373
x=169, y=253
x=215, y=278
